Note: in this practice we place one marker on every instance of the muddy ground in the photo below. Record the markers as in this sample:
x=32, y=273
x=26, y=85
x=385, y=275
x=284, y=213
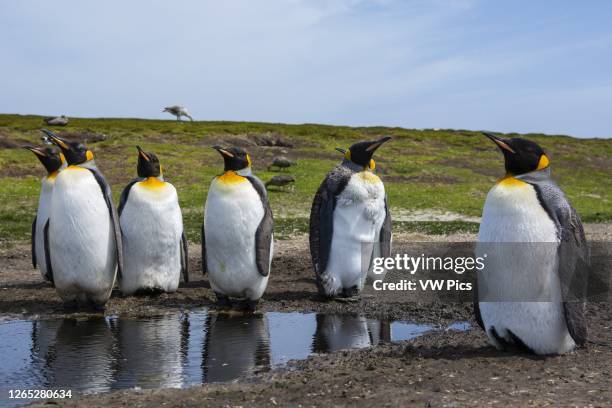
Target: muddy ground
x=439, y=369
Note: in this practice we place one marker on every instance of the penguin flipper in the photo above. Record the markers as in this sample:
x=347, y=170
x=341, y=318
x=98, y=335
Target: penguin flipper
x=113, y=215
x=34, y=263
x=572, y=254
x=385, y=233
x=125, y=195
x=263, y=235
x=477, y=315
x=184, y=258
x=49, y=271
x=204, y=264
x=476, y=305
x=322, y=219
x=574, y=267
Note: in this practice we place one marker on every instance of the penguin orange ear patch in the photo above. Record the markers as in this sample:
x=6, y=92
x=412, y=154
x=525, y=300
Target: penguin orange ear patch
x=249, y=160
x=372, y=164
x=543, y=163
x=89, y=155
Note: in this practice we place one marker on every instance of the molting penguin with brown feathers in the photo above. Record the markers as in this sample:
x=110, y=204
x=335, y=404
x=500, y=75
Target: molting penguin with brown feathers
x=151, y=222
x=350, y=222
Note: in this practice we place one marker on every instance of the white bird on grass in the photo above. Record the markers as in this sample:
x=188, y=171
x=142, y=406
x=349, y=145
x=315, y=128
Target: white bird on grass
x=178, y=111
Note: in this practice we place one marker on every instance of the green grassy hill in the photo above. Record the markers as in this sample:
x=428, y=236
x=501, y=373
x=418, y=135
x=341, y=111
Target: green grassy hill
x=429, y=171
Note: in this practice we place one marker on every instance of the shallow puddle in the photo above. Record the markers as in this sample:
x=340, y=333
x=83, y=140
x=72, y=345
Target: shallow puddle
x=177, y=350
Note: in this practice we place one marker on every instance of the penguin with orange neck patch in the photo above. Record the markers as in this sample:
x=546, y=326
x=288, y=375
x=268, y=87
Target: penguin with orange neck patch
x=152, y=227
x=82, y=236
x=530, y=294
x=53, y=161
x=237, y=241
x=350, y=223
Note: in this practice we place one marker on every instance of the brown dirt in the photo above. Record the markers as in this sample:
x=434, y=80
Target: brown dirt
x=86, y=136
x=440, y=369
x=9, y=142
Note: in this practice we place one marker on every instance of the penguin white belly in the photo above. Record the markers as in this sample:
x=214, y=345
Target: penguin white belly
x=42, y=215
x=358, y=218
x=231, y=217
x=83, y=252
x=522, y=276
x=152, y=226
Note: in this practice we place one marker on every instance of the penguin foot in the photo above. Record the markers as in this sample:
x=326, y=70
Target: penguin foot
x=502, y=344
x=520, y=344
x=74, y=305
x=515, y=343
x=70, y=305
x=350, y=292
x=223, y=301
x=148, y=292
x=250, y=305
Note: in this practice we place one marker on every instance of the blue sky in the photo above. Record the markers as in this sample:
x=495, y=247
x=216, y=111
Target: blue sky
x=541, y=66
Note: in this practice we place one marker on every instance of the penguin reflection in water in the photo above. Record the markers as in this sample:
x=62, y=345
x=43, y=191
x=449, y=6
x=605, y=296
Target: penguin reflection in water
x=53, y=161
x=350, y=222
x=235, y=345
x=82, y=237
x=531, y=291
x=152, y=227
x=341, y=332
x=80, y=354
x=237, y=241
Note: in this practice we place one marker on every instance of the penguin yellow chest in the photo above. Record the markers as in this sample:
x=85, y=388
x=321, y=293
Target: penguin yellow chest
x=513, y=213
x=153, y=187
x=232, y=215
x=230, y=182
x=151, y=223
x=519, y=289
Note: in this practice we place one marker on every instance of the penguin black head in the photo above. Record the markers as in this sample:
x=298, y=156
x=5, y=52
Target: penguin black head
x=50, y=157
x=75, y=152
x=235, y=158
x=148, y=164
x=361, y=153
x=520, y=155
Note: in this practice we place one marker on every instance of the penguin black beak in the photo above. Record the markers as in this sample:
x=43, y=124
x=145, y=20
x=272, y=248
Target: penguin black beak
x=142, y=154
x=341, y=150
x=37, y=151
x=499, y=142
x=375, y=145
x=223, y=151
x=55, y=139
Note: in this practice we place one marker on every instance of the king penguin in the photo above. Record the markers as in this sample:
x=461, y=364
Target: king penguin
x=82, y=235
x=237, y=235
x=350, y=222
x=53, y=161
x=530, y=293
x=151, y=223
